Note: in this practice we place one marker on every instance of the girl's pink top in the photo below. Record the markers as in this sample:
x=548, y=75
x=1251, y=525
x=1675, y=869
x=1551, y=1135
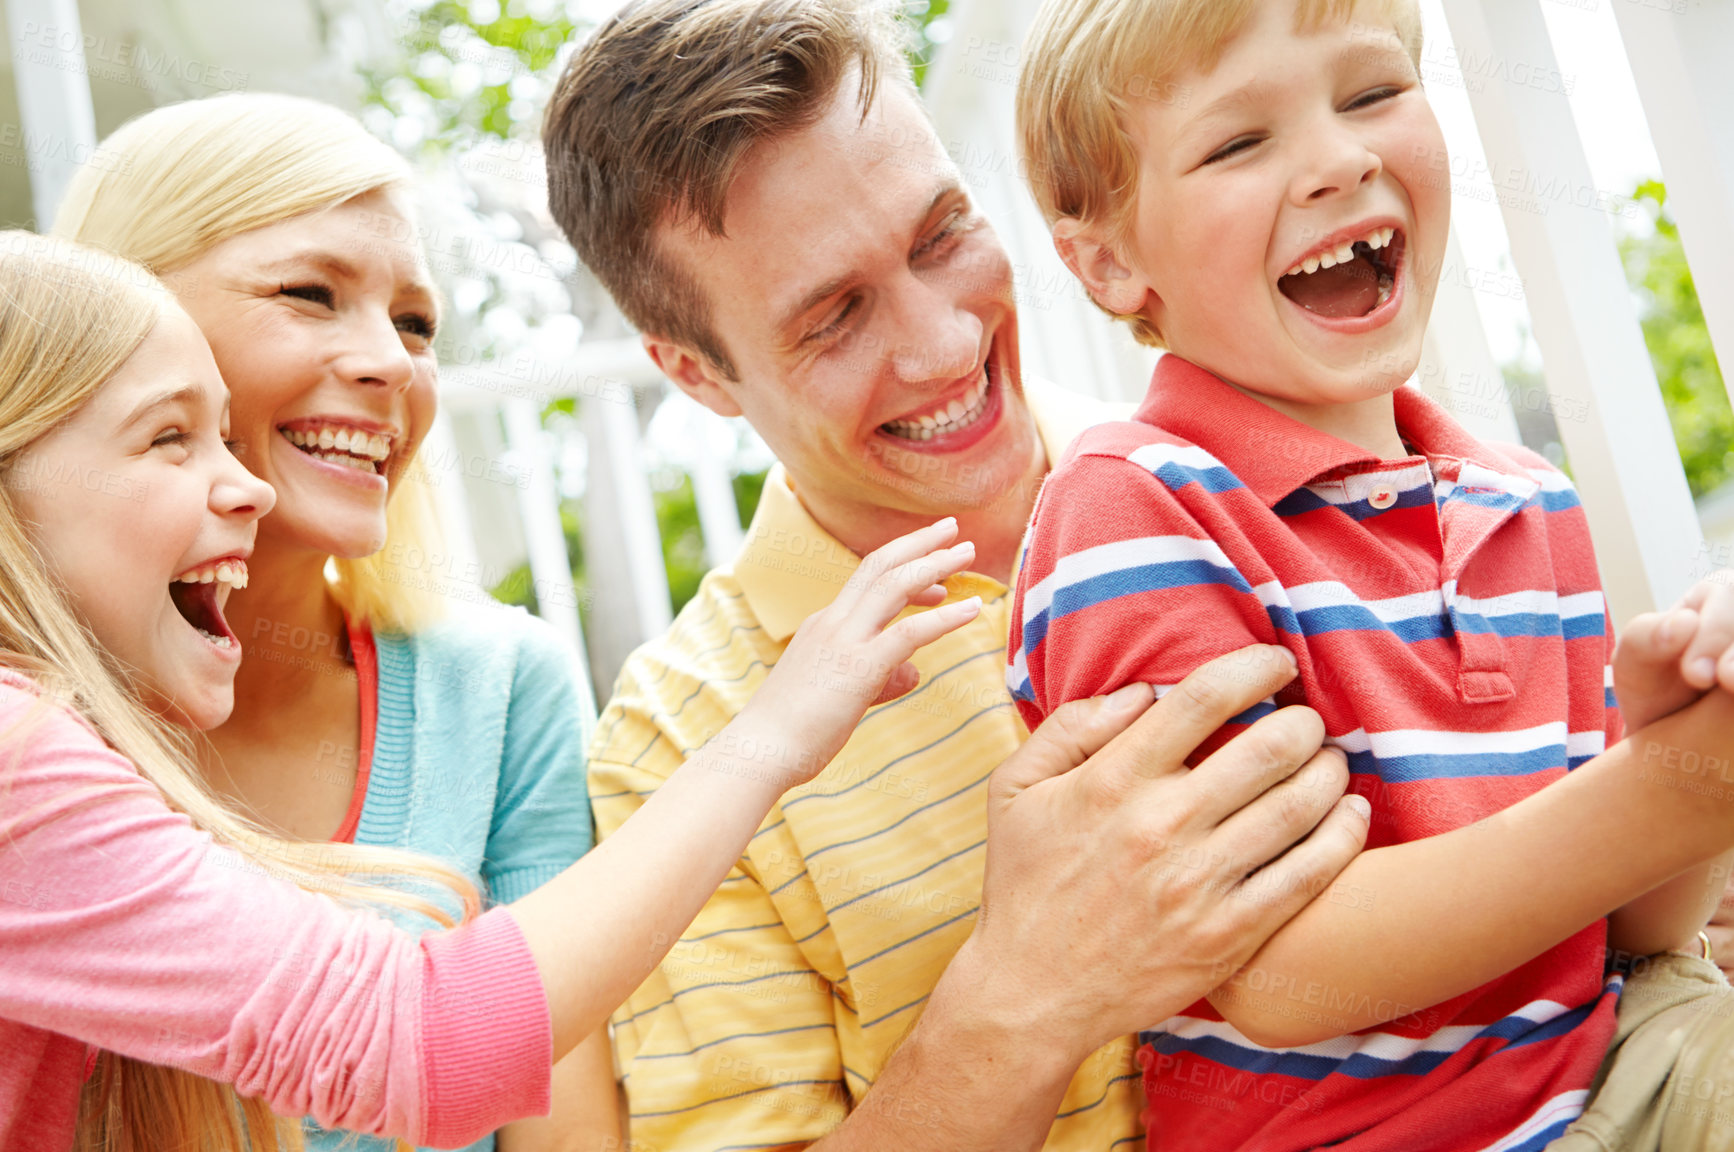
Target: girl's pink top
x=124, y=928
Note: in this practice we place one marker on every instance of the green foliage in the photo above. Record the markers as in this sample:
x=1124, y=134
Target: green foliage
x=922, y=14
x=1679, y=343
x=469, y=69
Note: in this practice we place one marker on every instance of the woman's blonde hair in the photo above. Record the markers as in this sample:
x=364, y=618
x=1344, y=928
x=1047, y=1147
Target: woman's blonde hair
x=169, y=186
x=69, y=318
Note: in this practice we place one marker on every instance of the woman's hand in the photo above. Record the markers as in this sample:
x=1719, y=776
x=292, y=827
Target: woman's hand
x=851, y=656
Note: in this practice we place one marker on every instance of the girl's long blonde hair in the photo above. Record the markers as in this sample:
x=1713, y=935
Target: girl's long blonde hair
x=69, y=317
x=167, y=187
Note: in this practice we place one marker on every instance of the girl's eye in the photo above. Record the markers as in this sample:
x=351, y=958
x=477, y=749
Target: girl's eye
x=1233, y=147
x=313, y=293
x=417, y=324
x=169, y=437
x=236, y=447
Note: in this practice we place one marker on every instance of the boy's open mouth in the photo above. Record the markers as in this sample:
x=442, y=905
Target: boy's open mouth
x=199, y=593
x=1351, y=279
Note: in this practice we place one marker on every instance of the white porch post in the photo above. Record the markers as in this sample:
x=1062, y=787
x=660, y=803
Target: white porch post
x=1606, y=401
x=1681, y=62
x=53, y=96
x=719, y=516
x=622, y=548
x=539, y=508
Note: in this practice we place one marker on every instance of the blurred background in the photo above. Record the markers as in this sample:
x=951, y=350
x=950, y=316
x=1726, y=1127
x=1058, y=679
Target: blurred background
x=576, y=482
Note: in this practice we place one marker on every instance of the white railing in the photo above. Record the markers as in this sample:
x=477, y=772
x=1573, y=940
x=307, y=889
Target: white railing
x=1598, y=375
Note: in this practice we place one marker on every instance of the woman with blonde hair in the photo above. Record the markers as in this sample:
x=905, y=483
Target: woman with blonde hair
x=204, y=955
x=368, y=710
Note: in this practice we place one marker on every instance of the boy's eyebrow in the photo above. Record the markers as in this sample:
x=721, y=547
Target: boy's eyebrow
x=1231, y=101
x=786, y=320
x=1260, y=89
x=167, y=398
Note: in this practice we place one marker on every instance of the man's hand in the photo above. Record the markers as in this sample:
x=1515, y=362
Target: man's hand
x=1120, y=891
x=1121, y=886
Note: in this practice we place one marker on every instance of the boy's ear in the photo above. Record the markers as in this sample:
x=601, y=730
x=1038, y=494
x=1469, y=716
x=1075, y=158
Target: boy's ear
x=1112, y=284
x=693, y=374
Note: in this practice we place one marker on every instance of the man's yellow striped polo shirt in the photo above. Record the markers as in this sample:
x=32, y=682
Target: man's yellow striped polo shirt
x=778, y=1008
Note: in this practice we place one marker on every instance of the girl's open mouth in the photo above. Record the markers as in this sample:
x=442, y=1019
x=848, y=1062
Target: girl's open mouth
x=199, y=593
x=1349, y=281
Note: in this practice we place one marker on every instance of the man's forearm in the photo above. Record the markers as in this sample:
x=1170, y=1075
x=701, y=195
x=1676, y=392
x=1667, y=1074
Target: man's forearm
x=976, y=1074
x=1412, y=925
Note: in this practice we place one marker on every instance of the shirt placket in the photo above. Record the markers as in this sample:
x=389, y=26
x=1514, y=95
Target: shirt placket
x=1479, y=503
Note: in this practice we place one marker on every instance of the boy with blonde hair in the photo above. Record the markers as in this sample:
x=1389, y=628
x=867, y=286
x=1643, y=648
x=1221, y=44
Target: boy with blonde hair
x=1254, y=184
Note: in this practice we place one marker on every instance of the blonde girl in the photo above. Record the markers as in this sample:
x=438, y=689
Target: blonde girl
x=371, y=709
x=208, y=957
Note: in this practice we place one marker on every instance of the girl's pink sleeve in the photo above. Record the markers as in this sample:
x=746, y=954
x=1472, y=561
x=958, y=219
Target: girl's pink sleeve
x=124, y=927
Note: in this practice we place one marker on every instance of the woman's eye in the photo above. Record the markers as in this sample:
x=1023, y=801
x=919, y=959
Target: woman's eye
x=313, y=293
x=417, y=324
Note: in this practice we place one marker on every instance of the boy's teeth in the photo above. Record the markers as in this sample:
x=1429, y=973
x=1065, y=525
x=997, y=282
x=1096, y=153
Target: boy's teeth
x=1343, y=253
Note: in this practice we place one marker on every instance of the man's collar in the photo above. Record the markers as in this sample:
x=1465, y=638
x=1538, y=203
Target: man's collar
x=790, y=567
x=1274, y=454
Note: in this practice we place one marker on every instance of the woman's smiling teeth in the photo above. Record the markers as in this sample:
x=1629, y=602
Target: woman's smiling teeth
x=954, y=417
x=335, y=444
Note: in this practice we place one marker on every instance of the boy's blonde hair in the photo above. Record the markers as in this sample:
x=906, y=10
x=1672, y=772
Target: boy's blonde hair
x=69, y=318
x=1087, y=62
x=167, y=187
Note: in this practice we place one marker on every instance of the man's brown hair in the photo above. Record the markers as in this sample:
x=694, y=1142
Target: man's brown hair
x=655, y=113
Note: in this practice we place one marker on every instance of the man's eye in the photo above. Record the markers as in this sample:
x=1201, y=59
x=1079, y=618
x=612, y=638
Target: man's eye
x=1233, y=147
x=314, y=293
x=947, y=233
x=836, y=325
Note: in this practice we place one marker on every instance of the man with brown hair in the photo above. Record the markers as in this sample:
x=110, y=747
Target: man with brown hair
x=756, y=183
